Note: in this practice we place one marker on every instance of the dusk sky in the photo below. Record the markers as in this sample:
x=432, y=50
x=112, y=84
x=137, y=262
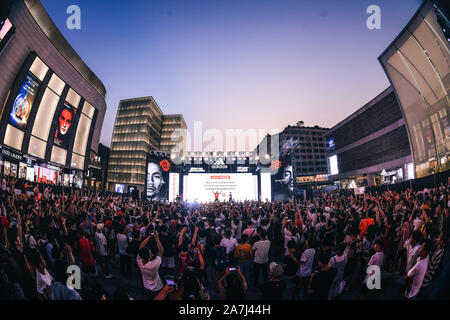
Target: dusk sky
x=236, y=63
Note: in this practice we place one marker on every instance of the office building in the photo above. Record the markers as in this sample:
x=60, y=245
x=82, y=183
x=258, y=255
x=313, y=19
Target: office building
x=140, y=127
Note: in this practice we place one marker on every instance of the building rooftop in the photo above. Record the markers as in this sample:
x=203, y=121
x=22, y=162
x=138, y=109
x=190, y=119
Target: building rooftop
x=49, y=28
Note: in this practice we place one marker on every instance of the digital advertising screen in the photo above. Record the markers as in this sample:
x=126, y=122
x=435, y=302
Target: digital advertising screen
x=157, y=178
x=282, y=178
x=24, y=102
x=119, y=188
x=174, y=186
x=207, y=187
x=64, y=127
x=331, y=144
x=333, y=161
x=6, y=32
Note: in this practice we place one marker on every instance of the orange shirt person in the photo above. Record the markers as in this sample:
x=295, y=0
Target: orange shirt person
x=363, y=225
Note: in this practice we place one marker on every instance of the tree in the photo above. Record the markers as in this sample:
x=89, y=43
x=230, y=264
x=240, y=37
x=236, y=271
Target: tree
x=300, y=123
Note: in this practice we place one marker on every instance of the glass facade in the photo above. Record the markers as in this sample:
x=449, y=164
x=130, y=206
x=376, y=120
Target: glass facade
x=20, y=118
x=171, y=123
x=418, y=66
x=137, y=130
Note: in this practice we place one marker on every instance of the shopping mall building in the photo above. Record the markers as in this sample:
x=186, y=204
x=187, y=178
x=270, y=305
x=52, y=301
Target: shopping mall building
x=404, y=132
x=52, y=104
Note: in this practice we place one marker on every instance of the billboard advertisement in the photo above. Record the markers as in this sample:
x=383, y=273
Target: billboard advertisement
x=204, y=187
x=283, y=178
x=157, y=178
x=174, y=186
x=282, y=184
x=64, y=127
x=24, y=102
x=6, y=32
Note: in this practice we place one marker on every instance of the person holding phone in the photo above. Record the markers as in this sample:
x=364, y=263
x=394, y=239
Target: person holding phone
x=232, y=285
x=149, y=261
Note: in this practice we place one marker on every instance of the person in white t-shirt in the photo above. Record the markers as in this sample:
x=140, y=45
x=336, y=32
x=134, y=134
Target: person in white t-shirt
x=43, y=279
x=412, y=247
x=305, y=264
x=148, y=261
x=228, y=242
x=377, y=258
x=416, y=274
x=261, y=250
x=102, y=250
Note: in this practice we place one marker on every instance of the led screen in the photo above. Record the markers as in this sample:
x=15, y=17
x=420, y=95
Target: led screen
x=333, y=165
x=64, y=127
x=204, y=187
x=282, y=178
x=5, y=27
x=174, y=186
x=24, y=102
x=119, y=188
x=157, y=180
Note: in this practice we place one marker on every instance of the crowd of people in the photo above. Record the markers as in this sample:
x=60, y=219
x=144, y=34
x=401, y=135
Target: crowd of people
x=307, y=250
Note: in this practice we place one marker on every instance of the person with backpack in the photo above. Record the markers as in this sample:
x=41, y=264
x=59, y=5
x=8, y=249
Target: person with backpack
x=220, y=262
x=46, y=249
x=29, y=241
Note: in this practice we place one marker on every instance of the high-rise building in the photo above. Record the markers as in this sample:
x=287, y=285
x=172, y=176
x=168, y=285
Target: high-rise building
x=170, y=124
x=140, y=127
x=309, y=147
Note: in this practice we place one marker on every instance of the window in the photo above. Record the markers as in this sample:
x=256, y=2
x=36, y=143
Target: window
x=73, y=98
x=58, y=155
x=13, y=137
x=39, y=69
x=44, y=116
x=56, y=84
x=37, y=147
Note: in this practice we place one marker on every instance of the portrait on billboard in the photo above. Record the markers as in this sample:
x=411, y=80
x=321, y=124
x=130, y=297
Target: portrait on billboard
x=157, y=179
x=64, y=126
x=282, y=178
x=23, y=102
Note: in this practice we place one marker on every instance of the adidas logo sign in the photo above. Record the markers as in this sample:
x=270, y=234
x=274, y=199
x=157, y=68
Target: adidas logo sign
x=219, y=164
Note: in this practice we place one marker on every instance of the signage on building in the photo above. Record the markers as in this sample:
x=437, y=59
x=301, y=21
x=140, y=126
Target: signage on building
x=242, y=169
x=51, y=167
x=305, y=179
x=197, y=169
x=321, y=177
x=11, y=154
x=219, y=164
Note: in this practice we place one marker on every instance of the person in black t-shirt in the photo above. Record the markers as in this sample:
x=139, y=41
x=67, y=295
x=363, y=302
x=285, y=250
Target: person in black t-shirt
x=275, y=287
x=320, y=283
x=169, y=245
x=289, y=265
